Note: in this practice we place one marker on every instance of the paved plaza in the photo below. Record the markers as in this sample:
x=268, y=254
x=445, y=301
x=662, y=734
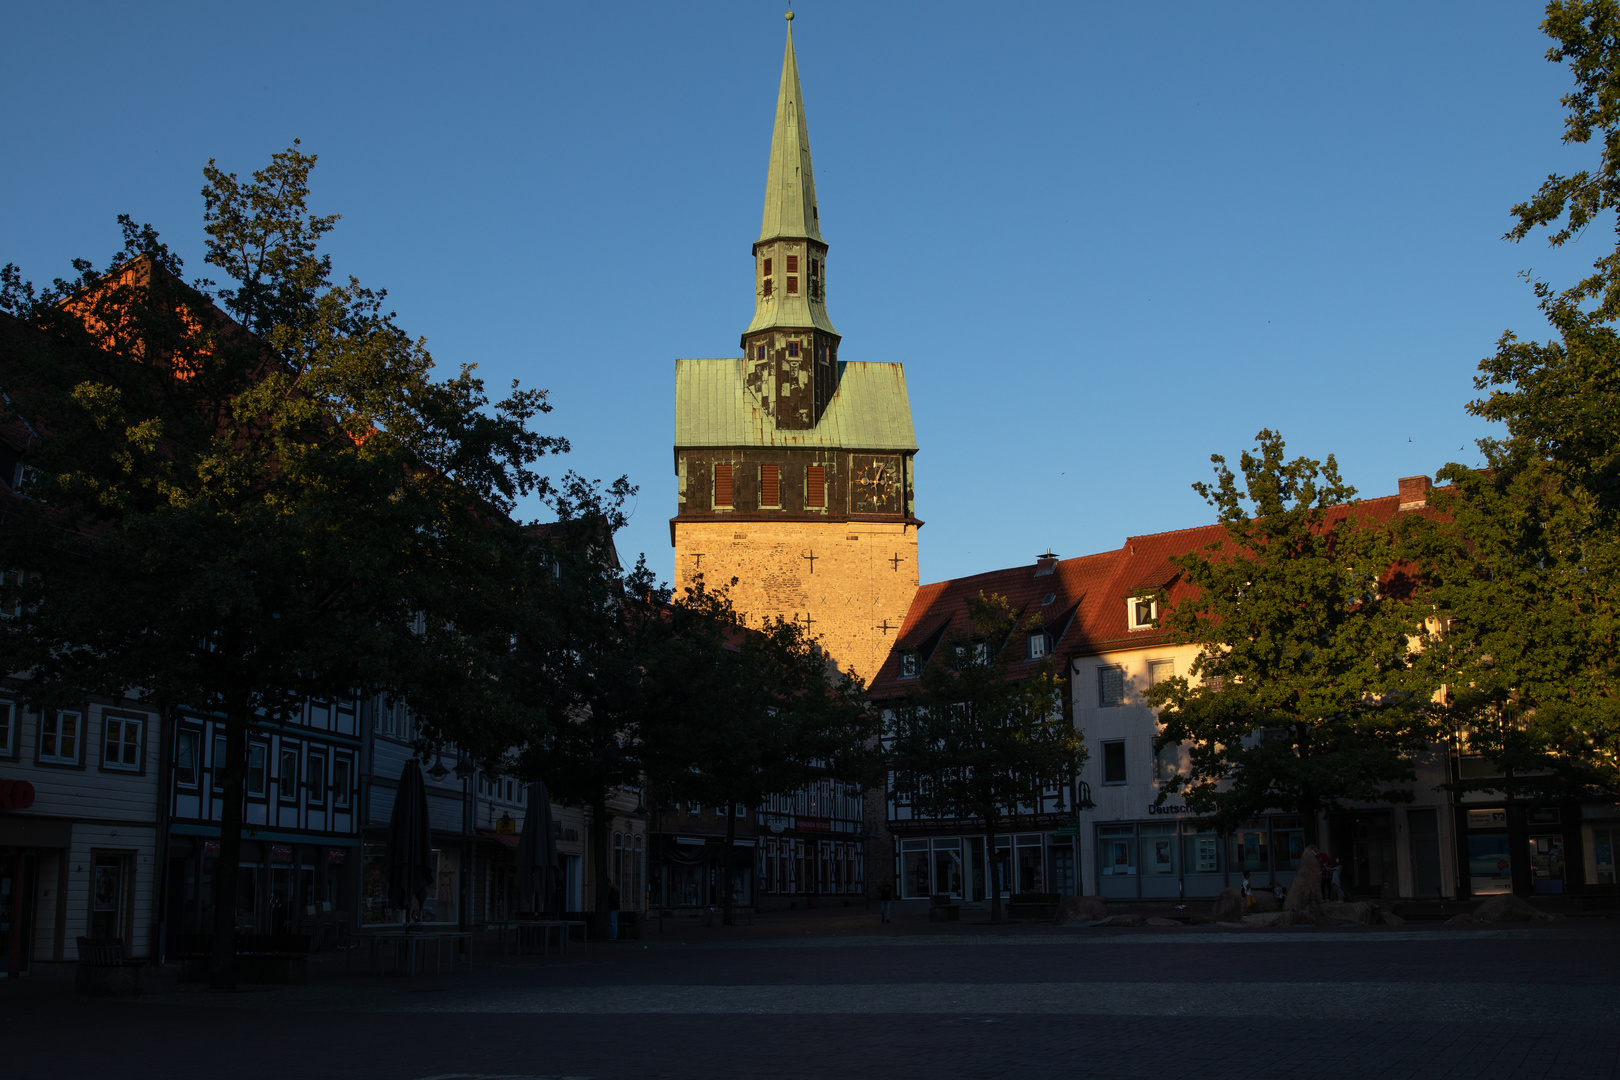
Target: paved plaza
x=836, y=995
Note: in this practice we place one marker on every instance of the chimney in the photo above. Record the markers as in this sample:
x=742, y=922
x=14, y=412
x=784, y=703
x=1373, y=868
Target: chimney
x=1414, y=492
x=1045, y=563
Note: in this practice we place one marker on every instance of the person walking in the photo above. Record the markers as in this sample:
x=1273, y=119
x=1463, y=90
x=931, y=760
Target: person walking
x=885, y=898
x=1248, y=892
x=1327, y=874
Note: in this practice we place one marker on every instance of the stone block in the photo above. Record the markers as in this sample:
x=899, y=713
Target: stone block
x=1077, y=909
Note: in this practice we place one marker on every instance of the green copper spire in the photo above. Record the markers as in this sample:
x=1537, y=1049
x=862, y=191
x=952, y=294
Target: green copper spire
x=790, y=187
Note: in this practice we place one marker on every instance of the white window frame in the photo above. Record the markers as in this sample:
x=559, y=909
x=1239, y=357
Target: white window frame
x=1132, y=622
x=1158, y=673
x=180, y=736
x=1040, y=645
x=340, y=792
x=121, y=722
x=910, y=664
x=10, y=720
x=50, y=727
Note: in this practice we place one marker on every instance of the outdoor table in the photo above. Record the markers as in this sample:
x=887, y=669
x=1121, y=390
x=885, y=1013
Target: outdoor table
x=410, y=950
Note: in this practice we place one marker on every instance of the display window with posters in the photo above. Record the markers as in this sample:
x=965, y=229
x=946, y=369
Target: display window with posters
x=1490, y=859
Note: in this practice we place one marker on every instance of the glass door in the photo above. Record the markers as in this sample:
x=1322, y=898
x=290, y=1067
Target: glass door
x=1547, y=863
x=948, y=868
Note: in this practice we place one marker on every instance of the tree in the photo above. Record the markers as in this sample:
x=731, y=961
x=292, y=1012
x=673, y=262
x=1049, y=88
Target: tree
x=972, y=741
x=1526, y=572
x=1307, y=697
x=743, y=714
x=235, y=513
x=578, y=670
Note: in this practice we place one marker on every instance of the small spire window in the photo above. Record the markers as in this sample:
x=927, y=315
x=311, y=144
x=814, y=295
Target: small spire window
x=793, y=346
x=759, y=352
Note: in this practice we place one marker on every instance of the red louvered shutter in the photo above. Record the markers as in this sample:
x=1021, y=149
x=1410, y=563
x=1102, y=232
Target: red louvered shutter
x=770, y=485
x=722, y=485
x=815, y=488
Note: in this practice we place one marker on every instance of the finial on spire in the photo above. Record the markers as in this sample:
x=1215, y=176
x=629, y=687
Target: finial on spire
x=789, y=15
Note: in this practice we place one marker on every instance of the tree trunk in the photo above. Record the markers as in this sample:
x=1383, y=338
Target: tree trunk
x=993, y=874
x=726, y=866
x=222, y=969
x=601, y=824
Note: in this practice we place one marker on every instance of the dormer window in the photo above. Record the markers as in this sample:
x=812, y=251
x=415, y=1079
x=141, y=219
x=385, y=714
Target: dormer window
x=1142, y=613
x=1039, y=644
x=909, y=664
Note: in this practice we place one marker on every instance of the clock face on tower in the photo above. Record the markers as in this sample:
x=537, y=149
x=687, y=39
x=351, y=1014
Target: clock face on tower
x=875, y=483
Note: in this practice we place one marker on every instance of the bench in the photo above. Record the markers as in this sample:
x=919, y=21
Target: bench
x=104, y=971
x=1032, y=906
x=276, y=959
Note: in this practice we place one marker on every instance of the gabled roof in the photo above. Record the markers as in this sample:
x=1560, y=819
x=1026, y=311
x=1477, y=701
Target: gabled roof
x=715, y=406
x=1097, y=587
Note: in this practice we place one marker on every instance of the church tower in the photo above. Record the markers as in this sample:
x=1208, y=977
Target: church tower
x=793, y=467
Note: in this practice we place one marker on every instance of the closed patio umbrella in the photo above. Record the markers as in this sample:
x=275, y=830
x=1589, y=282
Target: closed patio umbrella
x=537, y=850
x=409, y=857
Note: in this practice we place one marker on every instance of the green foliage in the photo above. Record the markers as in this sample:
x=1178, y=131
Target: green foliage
x=1307, y=696
x=237, y=515
x=971, y=741
x=1526, y=572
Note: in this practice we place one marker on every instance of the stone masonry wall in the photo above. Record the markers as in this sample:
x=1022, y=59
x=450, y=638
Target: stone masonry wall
x=861, y=580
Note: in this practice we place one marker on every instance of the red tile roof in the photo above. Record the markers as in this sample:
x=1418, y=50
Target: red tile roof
x=1087, y=612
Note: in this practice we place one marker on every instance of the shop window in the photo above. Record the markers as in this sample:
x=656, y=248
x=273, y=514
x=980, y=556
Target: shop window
x=914, y=878
x=121, y=742
x=770, y=485
x=722, y=487
x=1490, y=867
x=1158, y=849
x=342, y=780
x=1250, y=850
x=815, y=486
x=8, y=728
x=1110, y=686
x=1201, y=853
x=317, y=779
x=1288, y=841
x=186, y=746
x=1031, y=870
x=948, y=868
x=1116, y=850
x=1603, y=856
x=1114, y=762
x=61, y=732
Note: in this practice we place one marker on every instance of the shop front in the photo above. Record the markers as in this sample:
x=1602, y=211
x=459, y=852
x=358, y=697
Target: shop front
x=959, y=867
x=1531, y=849
x=1165, y=860
x=284, y=885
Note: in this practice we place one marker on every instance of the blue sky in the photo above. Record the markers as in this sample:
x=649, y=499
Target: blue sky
x=1106, y=240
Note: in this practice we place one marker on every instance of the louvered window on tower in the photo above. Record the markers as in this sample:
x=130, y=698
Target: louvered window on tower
x=793, y=285
x=815, y=486
x=793, y=264
x=722, y=486
x=770, y=485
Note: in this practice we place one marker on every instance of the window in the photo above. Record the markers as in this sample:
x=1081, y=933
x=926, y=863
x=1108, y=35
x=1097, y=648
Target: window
x=258, y=758
x=1160, y=670
x=1142, y=612
x=759, y=352
x=317, y=779
x=1167, y=762
x=793, y=264
x=1114, y=762
x=1110, y=687
x=793, y=346
x=815, y=486
x=10, y=580
x=694, y=809
x=722, y=487
x=767, y=268
x=740, y=810
x=186, y=744
x=1039, y=644
x=342, y=767
x=770, y=485
x=908, y=664
x=59, y=734
x=1202, y=854
x=221, y=755
x=287, y=778
x=8, y=728
x=792, y=286
x=815, y=268
x=121, y=742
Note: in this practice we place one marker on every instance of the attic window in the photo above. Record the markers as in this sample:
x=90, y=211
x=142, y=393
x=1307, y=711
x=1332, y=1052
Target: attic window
x=722, y=487
x=1142, y=613
x=1051, y=596
x=1039, y=644
x=770, y=485
x=815, y=486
